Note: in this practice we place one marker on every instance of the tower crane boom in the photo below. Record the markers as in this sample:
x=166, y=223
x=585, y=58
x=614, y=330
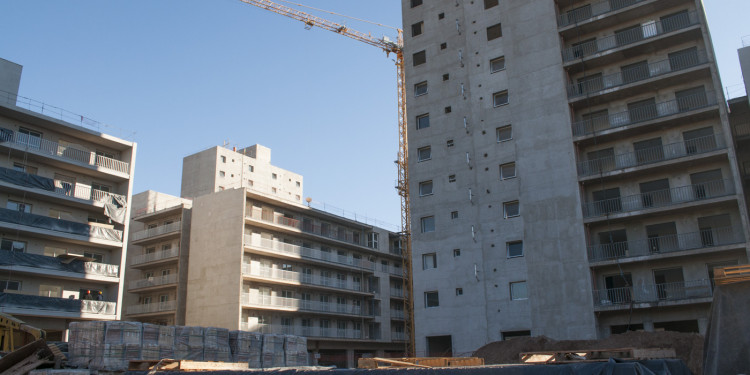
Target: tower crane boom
x=403, y=150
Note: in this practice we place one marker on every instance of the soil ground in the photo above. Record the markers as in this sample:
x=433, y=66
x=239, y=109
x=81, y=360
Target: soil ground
x=688, y=346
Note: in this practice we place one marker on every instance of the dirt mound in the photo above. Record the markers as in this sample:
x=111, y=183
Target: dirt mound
x=688, y=346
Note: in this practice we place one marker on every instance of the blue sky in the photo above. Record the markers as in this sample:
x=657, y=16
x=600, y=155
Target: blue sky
x=179, y=76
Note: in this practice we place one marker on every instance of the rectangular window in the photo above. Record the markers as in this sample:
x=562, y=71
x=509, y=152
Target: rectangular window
x=452, y=178
x=223, y=159
x=504, y=133
x=459, y=291
x=415, y=3
x=507, y=171
x=500, y=98
x=511, y=209
x=98, y=258
x=497, y=64
x=372, y=240
x=425, y=188
x=423, y=121
x=31, y=138
x=222, y=174
x=59, y=214
x=449, y=143
x=454, y=215
x=416, y=29
x=490, y=3
x=420, y=88
x=18, y=206
x=11, y=245
x=456, y=253
x=515, y=249
x=431, y=299
x=494, y=32
x=427, y=224
x=274, y=176
x=251, y=168
x=424, y=153
x=25, y=168
x=518, y=291
x=429, y=261
x=9, y=285
x=419, y=58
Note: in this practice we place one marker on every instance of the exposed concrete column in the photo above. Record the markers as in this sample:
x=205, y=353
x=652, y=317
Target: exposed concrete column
x=702, y=325
x=350, y=362
x=648, y=325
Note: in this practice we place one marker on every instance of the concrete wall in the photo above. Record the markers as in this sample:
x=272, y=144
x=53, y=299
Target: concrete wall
x=10, y=78
x=744, y=55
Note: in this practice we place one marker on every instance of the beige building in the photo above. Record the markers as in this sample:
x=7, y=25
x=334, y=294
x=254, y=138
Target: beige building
x=572, y=169
x=65, y=196
x=249, y=254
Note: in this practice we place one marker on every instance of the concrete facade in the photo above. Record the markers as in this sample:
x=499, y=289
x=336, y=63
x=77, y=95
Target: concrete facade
x=66, y=194
x=572, y=169
x=158, y=254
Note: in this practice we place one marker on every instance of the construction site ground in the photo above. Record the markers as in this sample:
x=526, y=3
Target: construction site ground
x=688, y=346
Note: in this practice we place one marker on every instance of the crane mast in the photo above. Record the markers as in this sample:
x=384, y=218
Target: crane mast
x=403, y=148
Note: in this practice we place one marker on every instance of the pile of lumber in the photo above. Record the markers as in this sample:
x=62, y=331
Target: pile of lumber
x=429, y=362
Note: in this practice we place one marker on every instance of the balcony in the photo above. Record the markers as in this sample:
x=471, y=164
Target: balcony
x=631, y=36
x=585, y=13
x=153, y=282
x=644, y=113
x=599, y=84
x=673, y=243
x=156, y=232
x=397, y=293
x=651, y=155
x=659, y=198
x=305, y=331
x=327, y=231
x=398, y=336
x=60, y=226
x=397, y=314
x=154, y=257
x=255, y=270
x=297, y=251
x=24, y=304
x=37, y=145
x=295, y=304
x=741, y=130
x=51, y=266
x=649, y=295
x=152, y=308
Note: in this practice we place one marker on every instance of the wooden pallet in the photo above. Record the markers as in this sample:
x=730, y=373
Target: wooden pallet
x=595, y=355
x=184, y=365
x=426, y=362
x=733, y=274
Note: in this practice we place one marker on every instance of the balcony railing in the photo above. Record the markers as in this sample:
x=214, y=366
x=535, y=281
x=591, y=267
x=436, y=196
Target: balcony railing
x=302, y=278
x=155, y=307
x=158, y=231
x=705, y=238
x=58, y=187
x=742, y=130
x=397, y=292
x=304, y=252
x=659, y=198
x=163, y=206
x=54, y=304
x=305, y=331
x=593, y=10
x=630, y=36
x=44, y=264
x=258, y=300
x=153, y=281
x=652, y=155
x=155, y=256
x=398, y=336
x=644, y=113
x=595, y=84
x=58, y=225
x=397, y=314
x=676, y=291
x=308, y=227
x=45, y=147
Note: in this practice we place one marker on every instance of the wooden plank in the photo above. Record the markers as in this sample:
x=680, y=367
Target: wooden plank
x=465, y=361
x=654, y=353
x=212, y=366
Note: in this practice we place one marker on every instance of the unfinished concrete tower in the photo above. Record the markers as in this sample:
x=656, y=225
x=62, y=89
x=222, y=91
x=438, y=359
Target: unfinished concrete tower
x=572, y=169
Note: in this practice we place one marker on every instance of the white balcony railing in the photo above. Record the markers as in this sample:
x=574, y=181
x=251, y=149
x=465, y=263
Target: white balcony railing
x=304, y=252
x=258, y=300
x=255, y=270
x=156, y=256
x=675, y=291
x=305, y=331
x=153, y=281
x=155, y=307
x=158, y=231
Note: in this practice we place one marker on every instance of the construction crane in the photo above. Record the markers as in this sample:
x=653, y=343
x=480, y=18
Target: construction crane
x=389, y=47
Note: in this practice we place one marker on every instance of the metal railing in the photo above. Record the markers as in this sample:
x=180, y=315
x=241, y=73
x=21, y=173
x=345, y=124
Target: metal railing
x=152, y=257
x=644, y=113
x=741, y=130
x=630, y=36
x=397, y=292
x=652, y=155
x=328, y=231
x=398, y=336
x=153, y=281
x=593, y=10
x=596, y=84
x=659, y=198
x=258, y=300
x=152, y=307
x=36, y=303
x=59, y=225
x=704, y=238
x=163, y=206
x=256, y=270
x=101, y=269
x=304, y=252
x=397, y=314
x=42, y=146
x=305, y=331
x=84, y=192
x=158, y=231
x=674, y=291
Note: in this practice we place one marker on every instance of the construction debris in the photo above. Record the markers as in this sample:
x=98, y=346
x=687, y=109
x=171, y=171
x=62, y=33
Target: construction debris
x=595, y=355
x=26, y=358
x=729, y=275
x=374, y=363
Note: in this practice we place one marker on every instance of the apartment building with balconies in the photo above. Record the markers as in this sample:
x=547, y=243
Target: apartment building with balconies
x=156, y=274
x=65, y=198
x=572, y=169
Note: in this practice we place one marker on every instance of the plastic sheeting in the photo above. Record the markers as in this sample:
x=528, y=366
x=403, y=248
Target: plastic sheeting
x=295, y=350
x=188, y=343
x=272, y=352
x=44, y=222
x=22, y=301
x=114, y=207
x=216, y=345
x=14, y=258
x=246, y=347
x=158, y=342
x=727, y=345
x=26, y=179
